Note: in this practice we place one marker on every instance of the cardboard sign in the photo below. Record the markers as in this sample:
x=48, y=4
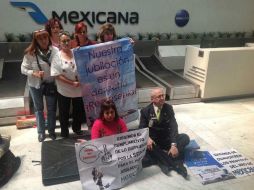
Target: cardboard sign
x=235, y=162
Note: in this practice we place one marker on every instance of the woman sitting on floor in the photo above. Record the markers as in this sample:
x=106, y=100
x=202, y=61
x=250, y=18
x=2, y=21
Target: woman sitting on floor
x=109, y=122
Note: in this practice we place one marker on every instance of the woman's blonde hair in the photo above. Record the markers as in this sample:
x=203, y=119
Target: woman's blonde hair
x=107, y=27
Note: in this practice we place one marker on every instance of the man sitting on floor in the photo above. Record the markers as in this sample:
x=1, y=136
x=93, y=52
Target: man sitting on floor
x=165, y=146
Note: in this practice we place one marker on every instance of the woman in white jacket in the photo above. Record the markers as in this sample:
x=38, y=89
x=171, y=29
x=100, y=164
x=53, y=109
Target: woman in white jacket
x=36, y=65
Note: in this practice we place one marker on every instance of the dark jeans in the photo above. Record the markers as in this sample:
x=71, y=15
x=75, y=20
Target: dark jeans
x=78, y=113
x=51, y=101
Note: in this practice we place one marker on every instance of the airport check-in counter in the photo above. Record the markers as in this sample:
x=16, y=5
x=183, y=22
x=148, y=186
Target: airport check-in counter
x=221, y=72
x=149, y=64
x=172, y=56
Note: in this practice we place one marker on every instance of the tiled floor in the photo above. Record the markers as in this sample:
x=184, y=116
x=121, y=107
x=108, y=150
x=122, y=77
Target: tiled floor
x=215, y=126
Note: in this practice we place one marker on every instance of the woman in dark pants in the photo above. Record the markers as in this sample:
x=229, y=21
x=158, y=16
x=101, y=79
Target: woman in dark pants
x=68, y=87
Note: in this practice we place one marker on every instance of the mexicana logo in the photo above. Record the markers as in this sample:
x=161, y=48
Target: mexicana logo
x=36, y=14
x=72, y=16
x=182, y=18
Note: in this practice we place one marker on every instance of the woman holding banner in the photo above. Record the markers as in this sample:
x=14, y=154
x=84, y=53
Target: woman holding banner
x=36, y=65
x=109, y=122
x=68, y=87
x=80, y=36
x=107, y=33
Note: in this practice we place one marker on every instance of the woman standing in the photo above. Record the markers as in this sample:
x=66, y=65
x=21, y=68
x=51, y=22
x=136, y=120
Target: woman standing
x=106, y=33
x=68, y=87
x=53, y=27
x=80, y=35
x=36, y=65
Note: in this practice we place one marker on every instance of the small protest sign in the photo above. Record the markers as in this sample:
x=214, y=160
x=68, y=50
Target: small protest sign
x=111, y=162
x=235, y=162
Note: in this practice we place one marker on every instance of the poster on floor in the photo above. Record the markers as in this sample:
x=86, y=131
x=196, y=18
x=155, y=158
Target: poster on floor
x=206, y=168
x=111, y=162
x=108, y=70
x=235, y=162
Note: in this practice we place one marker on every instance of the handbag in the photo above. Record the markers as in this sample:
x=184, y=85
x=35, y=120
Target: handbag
x=47, y=88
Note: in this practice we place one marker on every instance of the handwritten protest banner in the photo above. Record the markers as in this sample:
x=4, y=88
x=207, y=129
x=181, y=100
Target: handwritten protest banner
x=111, y=162
x=235, y=162
x=108, y=70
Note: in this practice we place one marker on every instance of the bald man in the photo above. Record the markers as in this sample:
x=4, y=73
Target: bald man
x=165, y=145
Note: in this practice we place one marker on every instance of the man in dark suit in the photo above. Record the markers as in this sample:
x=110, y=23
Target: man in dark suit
x=165, y=145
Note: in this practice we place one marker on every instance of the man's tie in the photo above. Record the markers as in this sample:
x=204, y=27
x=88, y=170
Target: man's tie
x=158, y=113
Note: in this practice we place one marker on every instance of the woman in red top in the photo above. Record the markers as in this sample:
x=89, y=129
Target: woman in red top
x=109, y=122
x=81, y=37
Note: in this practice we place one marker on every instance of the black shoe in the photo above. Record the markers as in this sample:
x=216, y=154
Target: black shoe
x=41, y=137
x=65, y=135
x=147, y=161
x=79, y=133
x=181, y=170
x=52, y=136
x=165, y=169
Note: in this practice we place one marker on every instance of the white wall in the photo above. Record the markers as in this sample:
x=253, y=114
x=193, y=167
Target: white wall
x=221, y=72
x=154, y=15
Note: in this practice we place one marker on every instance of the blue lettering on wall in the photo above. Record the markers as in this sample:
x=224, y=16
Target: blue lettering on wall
x=90, y=17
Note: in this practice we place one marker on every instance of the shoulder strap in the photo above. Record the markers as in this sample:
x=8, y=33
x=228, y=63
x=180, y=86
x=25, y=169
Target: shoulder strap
x=37, y=60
